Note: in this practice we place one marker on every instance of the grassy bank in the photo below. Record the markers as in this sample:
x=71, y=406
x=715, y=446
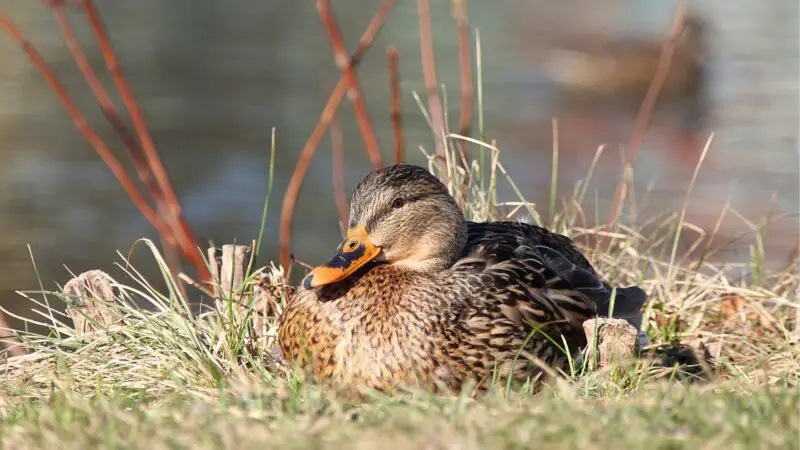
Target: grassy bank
x=660, y=416
x=166, y=378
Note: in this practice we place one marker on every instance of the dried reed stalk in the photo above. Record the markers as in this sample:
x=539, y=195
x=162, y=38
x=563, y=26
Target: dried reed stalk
x=465, y=67
x=395, y=114
x=337, y=170
x=429, y=75
x=175, y=218
x=355, y=93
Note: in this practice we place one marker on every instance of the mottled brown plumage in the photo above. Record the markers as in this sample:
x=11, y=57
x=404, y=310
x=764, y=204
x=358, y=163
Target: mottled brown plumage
x=445, y=300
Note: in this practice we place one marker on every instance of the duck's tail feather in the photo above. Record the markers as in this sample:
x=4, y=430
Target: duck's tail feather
x=626, y=303
x=623, y=303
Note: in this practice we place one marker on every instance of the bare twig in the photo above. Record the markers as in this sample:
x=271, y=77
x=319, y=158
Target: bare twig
x=337, y=164
x=301, y=167
x=646, y=109
x=178, y=235
x=369, y=34
x=429, y=75
x=465, y=67
x=88, y=132
x=183, y=233
x=396, y=116
x=356, y=96
x=114, y=68
x=91, y=137
x=109, y=110
x=337, y=169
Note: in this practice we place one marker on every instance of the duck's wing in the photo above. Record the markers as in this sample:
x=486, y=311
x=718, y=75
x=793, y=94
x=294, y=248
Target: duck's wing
x=523, y=234
x=539, y=276
x=509, y=274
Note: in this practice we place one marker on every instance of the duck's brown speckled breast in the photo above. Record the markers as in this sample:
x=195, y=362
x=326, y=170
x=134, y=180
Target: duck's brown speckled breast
x=381, y=329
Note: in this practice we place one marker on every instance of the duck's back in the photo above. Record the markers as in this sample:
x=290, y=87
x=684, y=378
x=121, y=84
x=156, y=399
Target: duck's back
x=555, y=256
x=526, y=291
x=507, y=238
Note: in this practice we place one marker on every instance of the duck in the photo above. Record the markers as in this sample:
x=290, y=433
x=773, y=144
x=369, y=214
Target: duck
x=416, y=296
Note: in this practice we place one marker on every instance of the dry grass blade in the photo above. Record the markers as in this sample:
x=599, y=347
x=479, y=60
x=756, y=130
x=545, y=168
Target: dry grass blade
x=682, y=216
x=301, y=167
x=355, y=93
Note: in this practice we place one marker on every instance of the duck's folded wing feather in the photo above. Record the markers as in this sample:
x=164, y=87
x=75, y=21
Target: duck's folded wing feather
x=506, y=274
x=523, y=234
x=540, y=273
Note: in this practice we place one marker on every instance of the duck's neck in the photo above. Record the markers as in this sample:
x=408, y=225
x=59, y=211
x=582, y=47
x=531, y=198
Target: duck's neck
x=432, y=254
x=437, y=248
x=428, y=265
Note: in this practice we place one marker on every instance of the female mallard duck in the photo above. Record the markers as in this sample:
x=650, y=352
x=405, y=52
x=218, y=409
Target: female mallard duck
x=416, y=295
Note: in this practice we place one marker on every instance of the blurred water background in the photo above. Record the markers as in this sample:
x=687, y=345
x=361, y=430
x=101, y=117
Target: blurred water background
x=214, y=76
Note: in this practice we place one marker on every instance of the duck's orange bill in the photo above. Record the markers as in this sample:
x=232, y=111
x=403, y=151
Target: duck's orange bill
x=354, y=252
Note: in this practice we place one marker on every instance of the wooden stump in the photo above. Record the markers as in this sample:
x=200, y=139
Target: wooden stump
x=229, y=266
x=616, y=341
x=88, y=297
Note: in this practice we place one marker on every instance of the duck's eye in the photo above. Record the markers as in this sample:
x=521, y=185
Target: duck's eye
x=398, y=203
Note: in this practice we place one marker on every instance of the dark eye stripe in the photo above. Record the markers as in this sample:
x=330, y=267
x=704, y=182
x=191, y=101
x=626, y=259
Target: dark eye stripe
x=386, y=210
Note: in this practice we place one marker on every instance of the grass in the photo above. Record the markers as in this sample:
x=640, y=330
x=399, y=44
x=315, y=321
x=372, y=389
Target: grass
x=258, y=416
x=165, y=378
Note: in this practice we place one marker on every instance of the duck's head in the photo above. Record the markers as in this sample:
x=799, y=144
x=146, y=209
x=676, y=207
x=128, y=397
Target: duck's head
x=399, y=215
